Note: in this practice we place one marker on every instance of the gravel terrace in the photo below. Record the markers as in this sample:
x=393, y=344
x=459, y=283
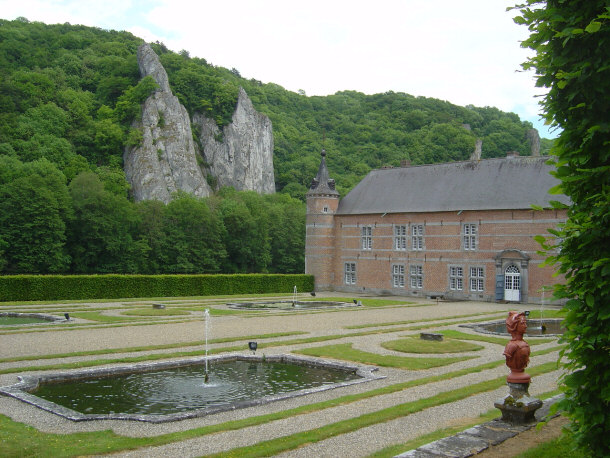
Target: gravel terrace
x=361, y=442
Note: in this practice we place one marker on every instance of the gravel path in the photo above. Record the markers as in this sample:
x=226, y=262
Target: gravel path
x=359, y=443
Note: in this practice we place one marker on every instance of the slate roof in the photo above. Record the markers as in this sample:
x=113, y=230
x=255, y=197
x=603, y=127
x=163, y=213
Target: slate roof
x=490, y=184
x=322, y=184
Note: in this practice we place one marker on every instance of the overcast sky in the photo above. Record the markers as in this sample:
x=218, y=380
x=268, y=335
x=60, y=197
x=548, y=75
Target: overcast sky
x=466, y=52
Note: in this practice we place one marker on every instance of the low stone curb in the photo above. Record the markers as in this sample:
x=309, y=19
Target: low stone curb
x=28, y=383
x=478, y=438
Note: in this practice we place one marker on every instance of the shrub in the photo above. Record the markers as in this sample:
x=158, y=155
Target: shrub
x=76, y=287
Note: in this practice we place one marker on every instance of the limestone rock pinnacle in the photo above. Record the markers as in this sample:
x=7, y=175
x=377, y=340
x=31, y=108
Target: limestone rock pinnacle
x=166, y=161
x=242, y=154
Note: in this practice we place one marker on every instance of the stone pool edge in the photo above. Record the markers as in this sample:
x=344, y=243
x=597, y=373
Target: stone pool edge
x=28, y=383
x=48, y=318
x=477, y=327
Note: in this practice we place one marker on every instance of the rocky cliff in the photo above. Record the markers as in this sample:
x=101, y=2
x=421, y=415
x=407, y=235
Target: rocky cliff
x=168, y=160
x=242, y=156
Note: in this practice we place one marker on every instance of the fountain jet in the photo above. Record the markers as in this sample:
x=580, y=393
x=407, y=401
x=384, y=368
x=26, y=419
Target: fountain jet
x=206, y=314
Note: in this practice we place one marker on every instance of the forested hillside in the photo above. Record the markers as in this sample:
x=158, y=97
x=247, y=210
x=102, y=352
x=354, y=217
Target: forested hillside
x=68, y=96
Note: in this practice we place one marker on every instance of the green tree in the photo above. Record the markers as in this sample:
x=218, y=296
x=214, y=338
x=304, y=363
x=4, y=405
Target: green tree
x=192, y=237
x=151, y=230
x=29, y=89
x=108, y=141
x=572, y=43
x=246, y=222
x=128, y=106
x=286, y=233
x=101, y=235
x=34, y=209
x=114, y=180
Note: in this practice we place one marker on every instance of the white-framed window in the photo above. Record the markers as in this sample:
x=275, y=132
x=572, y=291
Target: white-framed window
x=512, y=278
x=398, y=276
x=470, y=236
x=477, y=279
x=456, y=278
x=417, y=237
x=400, y=237
x=350, y=273
x=367, y=237
x=416, y=276
x=325, y=209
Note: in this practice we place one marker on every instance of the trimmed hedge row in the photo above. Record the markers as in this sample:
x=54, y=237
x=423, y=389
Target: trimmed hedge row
x=65, y=287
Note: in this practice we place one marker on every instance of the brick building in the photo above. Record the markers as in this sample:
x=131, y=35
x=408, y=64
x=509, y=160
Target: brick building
x=462, y=230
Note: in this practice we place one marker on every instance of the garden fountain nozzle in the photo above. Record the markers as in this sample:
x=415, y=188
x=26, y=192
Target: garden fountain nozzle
x=253, y=346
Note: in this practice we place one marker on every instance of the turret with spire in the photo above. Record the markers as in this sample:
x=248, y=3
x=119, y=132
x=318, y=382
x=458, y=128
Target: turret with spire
x=322, y=184
x=322, y=204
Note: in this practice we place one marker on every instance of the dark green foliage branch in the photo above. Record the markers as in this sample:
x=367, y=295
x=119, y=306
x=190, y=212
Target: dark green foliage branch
x=572, y=44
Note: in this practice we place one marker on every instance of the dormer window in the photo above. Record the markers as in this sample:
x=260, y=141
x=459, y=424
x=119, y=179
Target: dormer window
x=325, y=209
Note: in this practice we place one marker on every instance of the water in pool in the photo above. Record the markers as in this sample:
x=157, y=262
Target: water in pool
x=183, y=389
x=10, y=320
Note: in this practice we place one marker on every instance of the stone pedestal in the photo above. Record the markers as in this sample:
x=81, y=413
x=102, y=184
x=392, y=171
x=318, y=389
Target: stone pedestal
x=518, y=408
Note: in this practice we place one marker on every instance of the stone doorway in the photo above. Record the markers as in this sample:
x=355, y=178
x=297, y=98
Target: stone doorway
x=512, y=275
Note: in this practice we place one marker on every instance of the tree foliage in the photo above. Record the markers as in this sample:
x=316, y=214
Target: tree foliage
x=362, y=132
x=90, y=226
x=572, y=44
x=35, y=209
x=87, y=80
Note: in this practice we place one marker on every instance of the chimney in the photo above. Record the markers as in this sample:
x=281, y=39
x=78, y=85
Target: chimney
x=512, y=154
x=405, y=163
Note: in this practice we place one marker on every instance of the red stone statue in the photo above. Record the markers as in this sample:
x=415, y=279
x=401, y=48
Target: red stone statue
x=517, y=351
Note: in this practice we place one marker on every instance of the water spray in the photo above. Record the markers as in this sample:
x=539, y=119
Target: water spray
x=206, y=314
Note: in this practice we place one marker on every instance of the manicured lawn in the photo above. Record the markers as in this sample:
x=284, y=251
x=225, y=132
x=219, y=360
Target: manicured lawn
x=452, y=334
x=418, y=346
x=366, y=301
x=346, y=352
x=155, y=312
x=554, y=313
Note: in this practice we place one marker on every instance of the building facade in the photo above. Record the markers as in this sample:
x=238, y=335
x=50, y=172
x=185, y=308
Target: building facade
x=461, y=230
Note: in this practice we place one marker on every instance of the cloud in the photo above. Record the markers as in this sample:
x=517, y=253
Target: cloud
x=94, y=13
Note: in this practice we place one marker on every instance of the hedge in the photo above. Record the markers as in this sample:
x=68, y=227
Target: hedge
x=66, y=287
